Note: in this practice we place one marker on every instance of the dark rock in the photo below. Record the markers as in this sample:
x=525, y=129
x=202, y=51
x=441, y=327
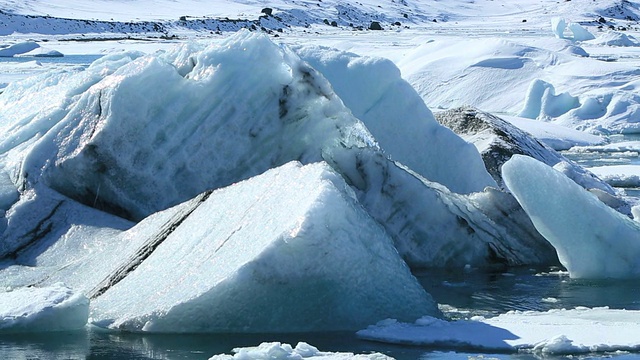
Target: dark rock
x=602, y=20
x=375, y=26
x=267, y=11
x=334, y=23
x=501, y=140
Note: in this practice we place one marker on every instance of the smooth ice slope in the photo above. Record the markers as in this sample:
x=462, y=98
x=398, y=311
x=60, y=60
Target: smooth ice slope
x=289, y=250
x=592, y=240
x=54, y=308
x=391, y=109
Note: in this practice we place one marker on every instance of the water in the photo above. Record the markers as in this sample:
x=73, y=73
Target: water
x=68, y=59
x=461, y=294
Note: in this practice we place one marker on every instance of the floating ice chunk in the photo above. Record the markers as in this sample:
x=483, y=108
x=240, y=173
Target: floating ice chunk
x=154, y=133
x=579, y=32
x=572, y=331
x=17, y=49
x=592, y=240
x=542, y=102
x=275, y=253
x=54, y=308
x=41, y=52
x=279, y=351
x=8, y=191
x=374, y=91
x=555, y=136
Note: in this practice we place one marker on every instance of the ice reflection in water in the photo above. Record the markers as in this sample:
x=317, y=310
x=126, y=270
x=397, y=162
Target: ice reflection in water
x=462, y=293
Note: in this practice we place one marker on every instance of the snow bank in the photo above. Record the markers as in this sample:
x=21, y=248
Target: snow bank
x=391, y=109
x=283, y=250
x=592, y=240
x=280, y=351
x=547, y=79
x=615, y=38
x=54, y=308
x=575, y=331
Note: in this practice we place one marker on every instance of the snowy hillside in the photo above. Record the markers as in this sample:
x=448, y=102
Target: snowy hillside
x=171, y=17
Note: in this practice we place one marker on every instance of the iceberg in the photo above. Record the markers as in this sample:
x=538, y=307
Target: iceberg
x=391, y=109
x=133, y=135
x=275, y=253
x=52, y=308
x=592, y=240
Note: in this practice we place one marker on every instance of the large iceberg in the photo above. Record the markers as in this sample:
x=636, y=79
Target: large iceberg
x=109, y=187
x=592, y=240
x=133, y=135
x=276, y=253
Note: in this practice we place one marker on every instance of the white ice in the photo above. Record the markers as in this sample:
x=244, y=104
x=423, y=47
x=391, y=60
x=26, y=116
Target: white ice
x=42, y=309
x=592, y=240
x=276, y=253
x=619, y=175
x=574, y=331
x=283, y=351
x=391, y=109
x=555, y=136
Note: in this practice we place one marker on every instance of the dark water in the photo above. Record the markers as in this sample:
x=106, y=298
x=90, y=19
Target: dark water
x=462, y=293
